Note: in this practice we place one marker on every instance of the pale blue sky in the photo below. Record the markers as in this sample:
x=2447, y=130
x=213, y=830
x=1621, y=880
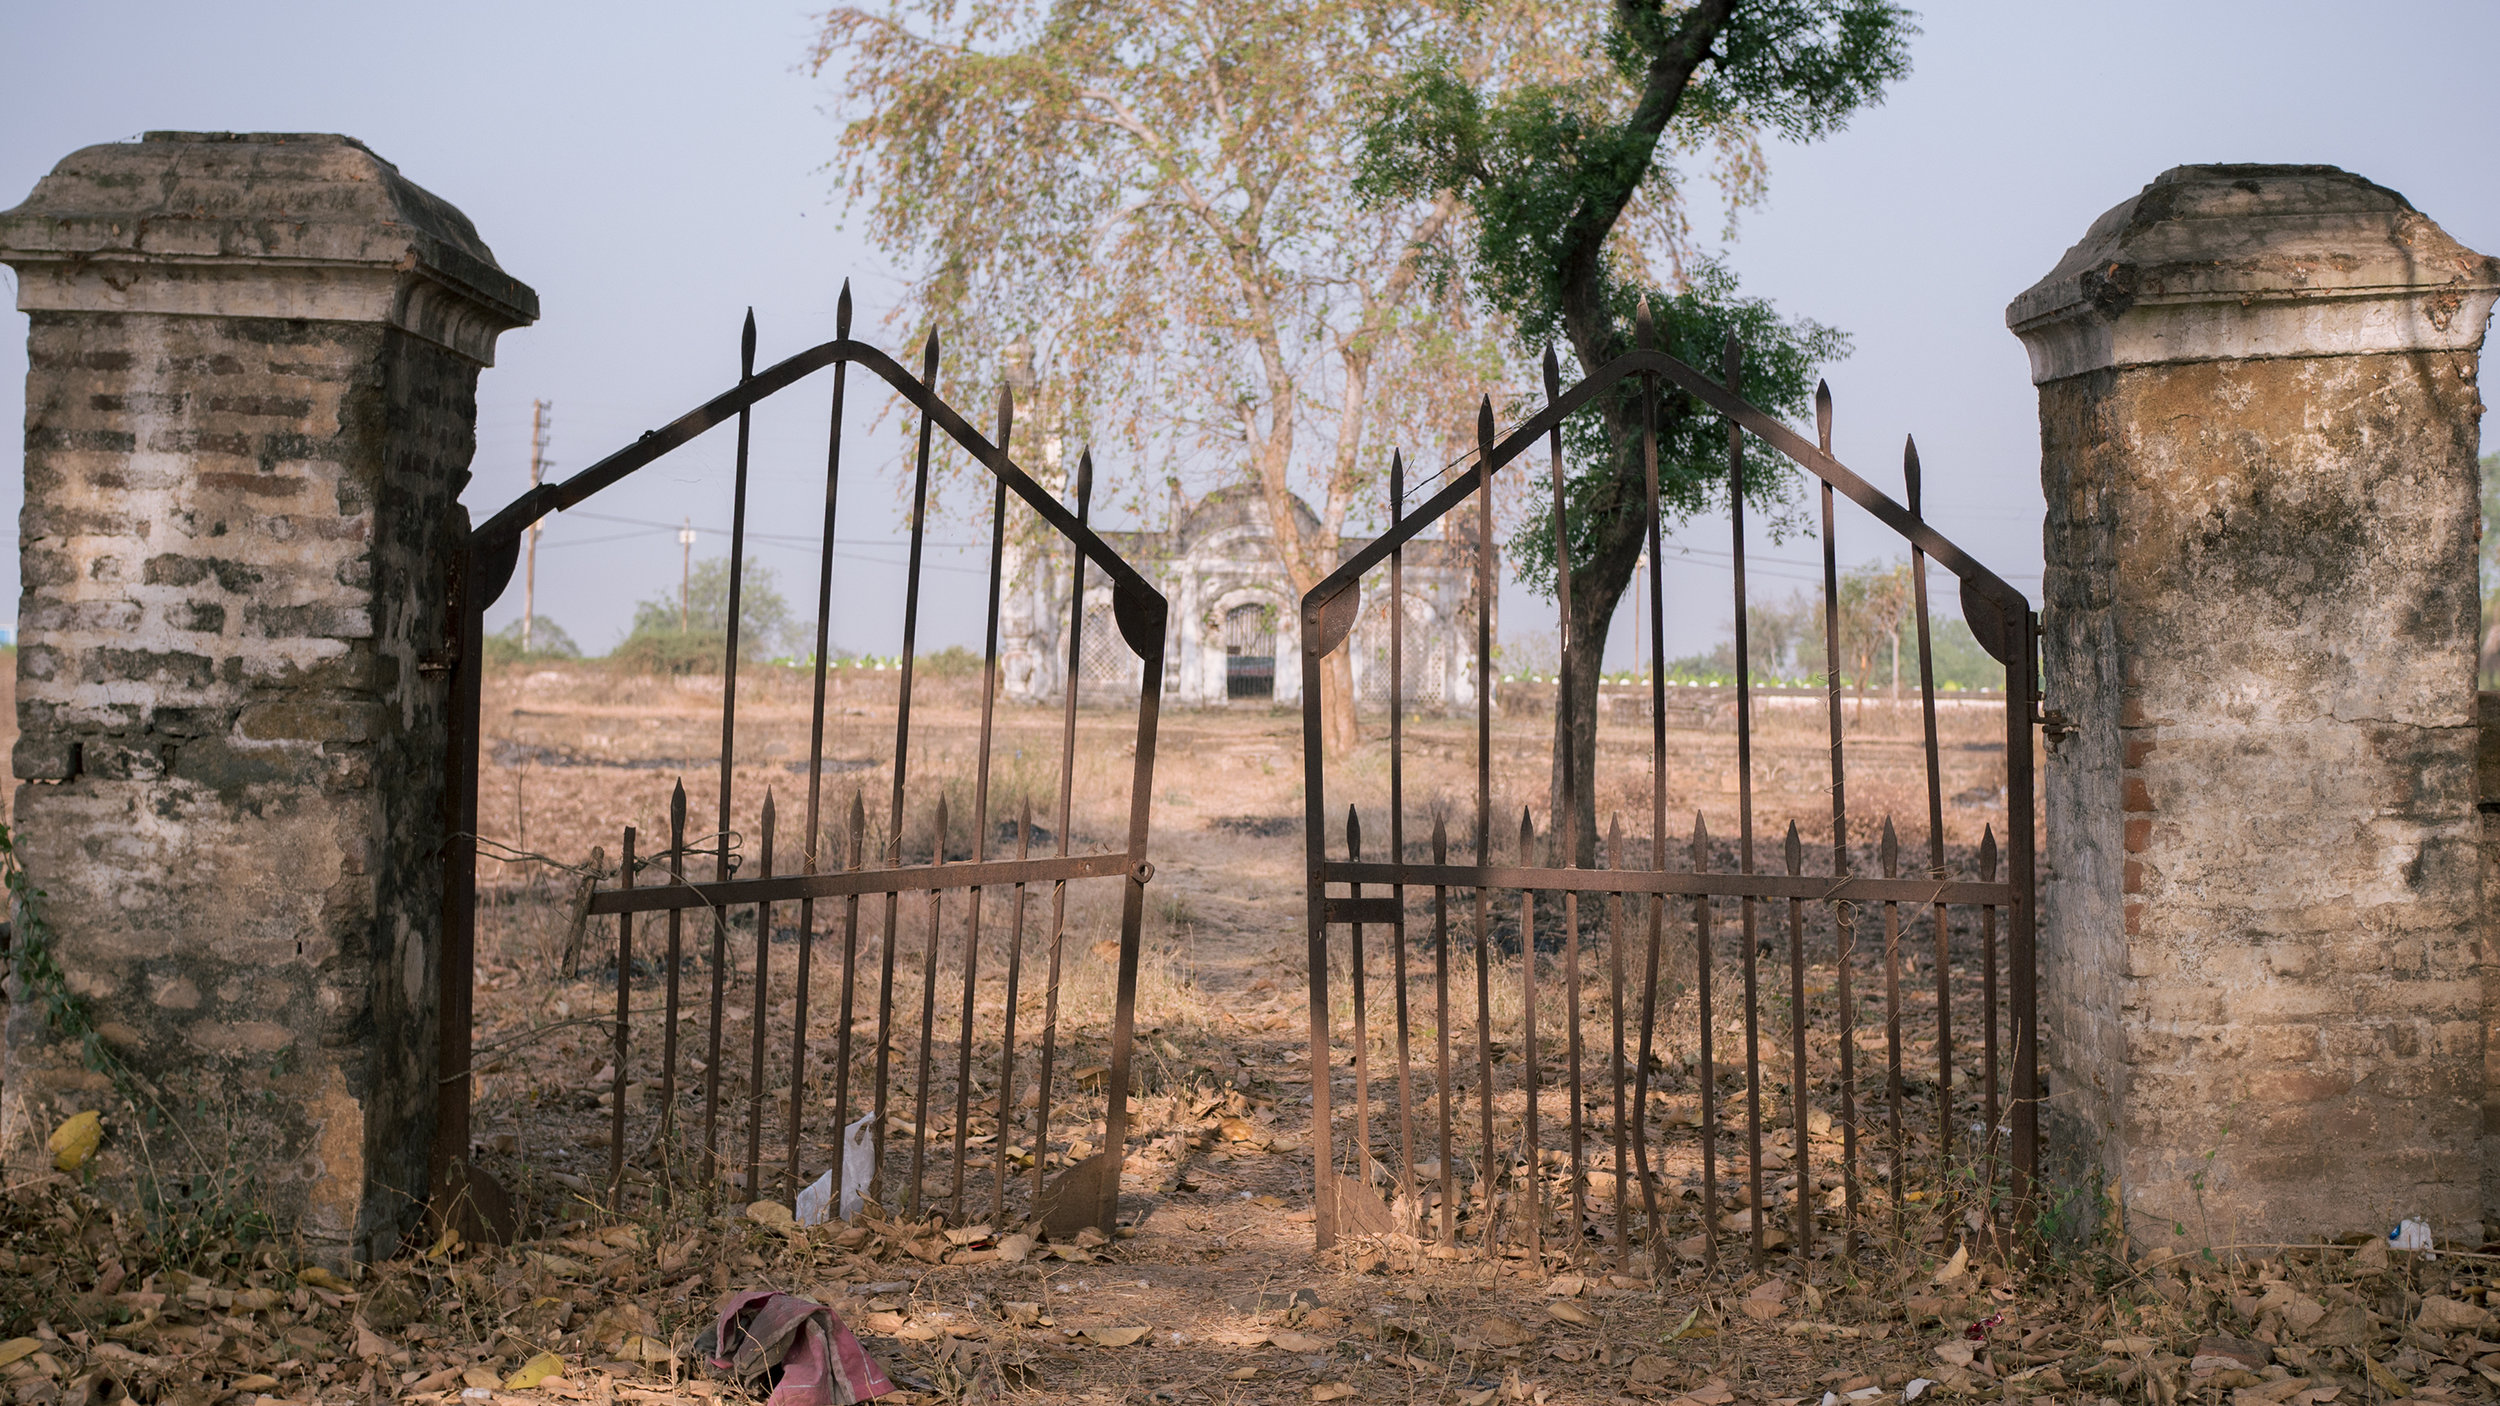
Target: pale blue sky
x=654, y=170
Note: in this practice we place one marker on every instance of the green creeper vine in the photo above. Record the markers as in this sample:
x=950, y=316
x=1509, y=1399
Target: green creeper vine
x=40, y=980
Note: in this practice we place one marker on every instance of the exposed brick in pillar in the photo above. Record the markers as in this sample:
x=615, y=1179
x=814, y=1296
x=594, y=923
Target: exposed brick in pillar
x=252, y=365
x=2260, y=911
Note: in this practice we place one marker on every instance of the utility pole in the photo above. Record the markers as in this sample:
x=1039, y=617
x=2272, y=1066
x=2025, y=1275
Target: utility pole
x=685, y=576
x=539, y=423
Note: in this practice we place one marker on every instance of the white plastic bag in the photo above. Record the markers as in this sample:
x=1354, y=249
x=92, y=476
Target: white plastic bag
x=815, y=1203
x=859, y=1163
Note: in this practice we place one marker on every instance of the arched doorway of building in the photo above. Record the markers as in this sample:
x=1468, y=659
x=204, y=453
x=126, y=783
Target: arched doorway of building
x=1250, y=653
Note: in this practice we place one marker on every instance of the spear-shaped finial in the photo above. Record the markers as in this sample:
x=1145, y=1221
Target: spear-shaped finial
x=1084, y=481
x=1644, y=326
x=1527, y=837
x=1553, y=374
x=1891, y=851
x=1397, y=484
x=1006, y=416
x=1796, y=850
x=1701, y=844
x=1909, y=470
x=1484, y=427
x=1353, y=832
x=1440, y=839
x=842, y=311
x=929, y=359
x=746, y=347
x=1732, y=359
x=677, y=808
x=1988, y=855
x=1823, y=415
x=937, y=845
x=1614, y=840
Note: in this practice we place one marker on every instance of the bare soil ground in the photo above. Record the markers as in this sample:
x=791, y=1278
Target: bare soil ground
x=1211, y=1290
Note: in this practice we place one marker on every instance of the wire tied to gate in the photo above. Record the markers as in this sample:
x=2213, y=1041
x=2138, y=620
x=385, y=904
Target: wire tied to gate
x=511, y=854
x=699, y=847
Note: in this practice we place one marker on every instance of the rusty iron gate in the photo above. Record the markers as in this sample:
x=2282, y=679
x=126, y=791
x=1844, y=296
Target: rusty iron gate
x=1642, y=904
x=695, y=1151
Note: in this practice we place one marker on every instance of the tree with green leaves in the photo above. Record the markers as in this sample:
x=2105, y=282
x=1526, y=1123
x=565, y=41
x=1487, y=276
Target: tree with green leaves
x=690, y=636
x=1561, y=177
x=1159, y=195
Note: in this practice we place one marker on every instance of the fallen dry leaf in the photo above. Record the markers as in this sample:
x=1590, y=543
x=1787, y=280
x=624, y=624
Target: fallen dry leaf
x=257, y=1381
x=1498, y=1331
x=2446, y=1315
x=72, y=1143
x=1013, y=1248
x=1117, y=1337
x=1649, y=1369
x=1303, y=1343
x=1953, y=1268
x=1331, y=1391
x=1570, y=1312
x=544, y=1366
x=1568, y=1286
x=370, y=1345
x=16, y=1348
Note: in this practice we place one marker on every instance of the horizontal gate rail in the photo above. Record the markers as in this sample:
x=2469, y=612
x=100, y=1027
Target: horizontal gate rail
x=908, y=878
x=1850, y=888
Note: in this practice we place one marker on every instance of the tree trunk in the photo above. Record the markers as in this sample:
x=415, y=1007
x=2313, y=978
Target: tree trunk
x=1336, y=700
x=1597, y=587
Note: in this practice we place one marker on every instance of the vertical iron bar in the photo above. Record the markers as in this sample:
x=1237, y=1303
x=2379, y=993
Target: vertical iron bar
x=676, y=959
x=853, y=849
x=722, y=866
x=2020, y=955
x=1485, y=602
x=1935, y=826
x=1993, y=1111
x=1890, y=854
x=763, y=996
x=1734, y=365
x=1397, y=829
x=1614, y=958
x=1572, y=1055
x=1800, y=1074
x=1067, y=790
x=1645, y=334
x=928, y=1021
x=1843, y=919
x=1355, y=964
x=981, y=801
x=1007, y=1039
x=1532, y=1183
x=455, y=968
x=1708, y=1068
x=1441, y=1024
x=1132, y=921
x=624, y=992
x=902, y=755
x=808, y=854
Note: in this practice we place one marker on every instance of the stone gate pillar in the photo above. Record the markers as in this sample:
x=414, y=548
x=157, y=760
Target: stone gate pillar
x=2260, y=907
x=250, y=408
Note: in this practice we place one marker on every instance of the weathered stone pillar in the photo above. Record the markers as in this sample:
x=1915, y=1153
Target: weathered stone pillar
x=250, y=408
x=2260, y=908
